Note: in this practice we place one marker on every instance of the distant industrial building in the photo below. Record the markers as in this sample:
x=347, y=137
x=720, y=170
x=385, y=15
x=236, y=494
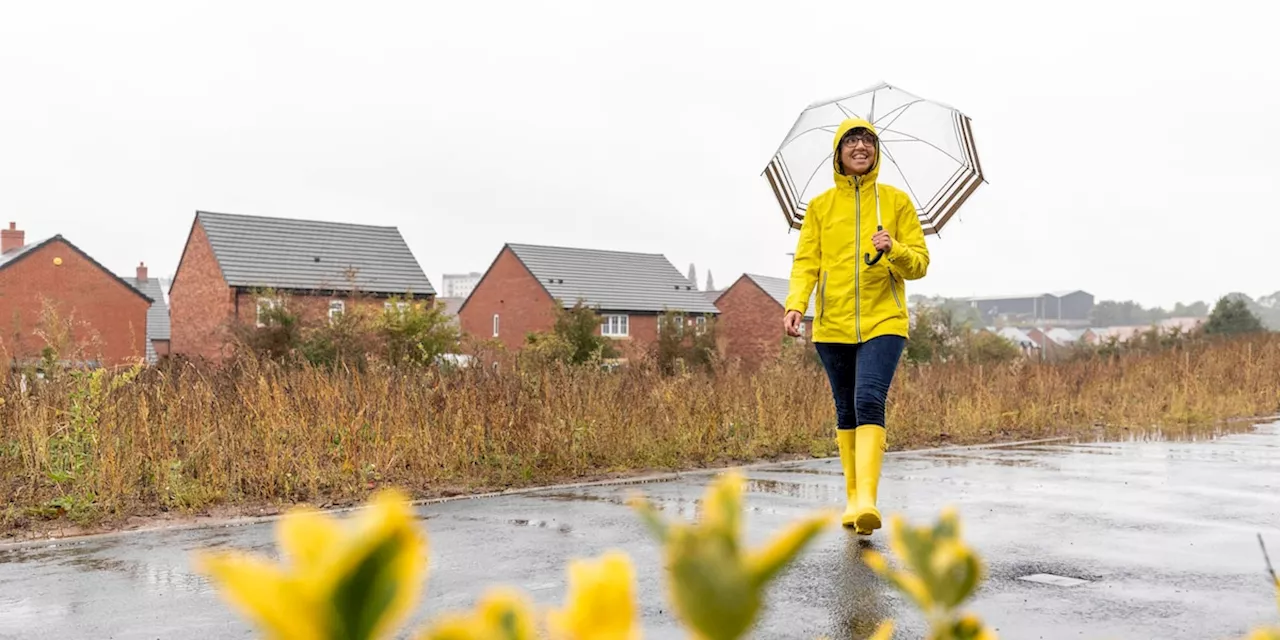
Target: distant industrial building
x=1070, y=306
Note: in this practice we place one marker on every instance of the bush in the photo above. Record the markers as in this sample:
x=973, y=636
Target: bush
x=413, y=333
x=416, y=333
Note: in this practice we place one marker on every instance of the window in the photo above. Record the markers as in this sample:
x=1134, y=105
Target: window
x=265, y=306
x=399, y=306
x=495, y=325
x=336, y=308
x=614, y=326
x=700, y=325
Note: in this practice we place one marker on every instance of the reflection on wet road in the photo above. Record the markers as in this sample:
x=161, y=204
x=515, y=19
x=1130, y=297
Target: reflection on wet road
x=1145, y=538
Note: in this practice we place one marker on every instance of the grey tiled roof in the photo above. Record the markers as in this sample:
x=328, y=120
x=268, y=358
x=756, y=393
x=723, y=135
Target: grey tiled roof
x=612, y=280
x=282, y=253
x=157, y=314
x=778, y=288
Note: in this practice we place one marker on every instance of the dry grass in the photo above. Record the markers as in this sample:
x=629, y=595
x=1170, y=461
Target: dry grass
x=106, y=447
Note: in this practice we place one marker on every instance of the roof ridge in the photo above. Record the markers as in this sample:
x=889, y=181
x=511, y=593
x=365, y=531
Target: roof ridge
x=249, y=216
x=587, y=249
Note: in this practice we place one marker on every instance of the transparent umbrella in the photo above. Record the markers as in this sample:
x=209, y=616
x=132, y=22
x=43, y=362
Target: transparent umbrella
x=927, y=150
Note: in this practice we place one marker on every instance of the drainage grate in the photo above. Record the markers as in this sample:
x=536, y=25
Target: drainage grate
x=1055, y=580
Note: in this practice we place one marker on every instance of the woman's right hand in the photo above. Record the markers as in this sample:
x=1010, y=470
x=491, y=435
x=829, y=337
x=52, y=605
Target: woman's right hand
x=791, y=323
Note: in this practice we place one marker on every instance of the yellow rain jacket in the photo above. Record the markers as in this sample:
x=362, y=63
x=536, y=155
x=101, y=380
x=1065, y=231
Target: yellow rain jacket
x=856, y=302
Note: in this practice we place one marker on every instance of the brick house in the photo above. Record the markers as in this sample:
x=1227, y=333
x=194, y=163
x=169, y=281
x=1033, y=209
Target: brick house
x=231, y=262
x=751, y=312
x=157, y=315
x=108, y=317
x=518, y=294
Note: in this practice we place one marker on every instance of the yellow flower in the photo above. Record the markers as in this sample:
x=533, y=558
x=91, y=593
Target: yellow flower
x=502, y=614
x=716, y=587
x=600, y=604
x=356, y=579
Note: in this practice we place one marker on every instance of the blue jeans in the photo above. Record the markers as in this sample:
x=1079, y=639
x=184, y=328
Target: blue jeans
x=860, y=375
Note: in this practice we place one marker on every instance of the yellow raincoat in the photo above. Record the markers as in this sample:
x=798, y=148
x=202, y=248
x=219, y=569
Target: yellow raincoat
x=856, y=302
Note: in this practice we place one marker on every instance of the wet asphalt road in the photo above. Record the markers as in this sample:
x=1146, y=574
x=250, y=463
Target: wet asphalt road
x=1161, y=532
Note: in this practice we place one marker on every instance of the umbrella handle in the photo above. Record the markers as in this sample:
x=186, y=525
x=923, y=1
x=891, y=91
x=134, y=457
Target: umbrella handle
x=866, y=257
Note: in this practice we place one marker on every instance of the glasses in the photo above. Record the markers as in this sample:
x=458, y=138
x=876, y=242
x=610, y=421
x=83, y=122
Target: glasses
x=852, y=139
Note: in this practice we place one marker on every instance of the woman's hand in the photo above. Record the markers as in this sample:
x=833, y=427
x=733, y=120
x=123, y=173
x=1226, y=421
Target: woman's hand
x=791, y=322
x=882, y=241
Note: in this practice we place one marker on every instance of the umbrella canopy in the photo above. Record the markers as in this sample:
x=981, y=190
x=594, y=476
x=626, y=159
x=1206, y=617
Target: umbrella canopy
x=926, y=149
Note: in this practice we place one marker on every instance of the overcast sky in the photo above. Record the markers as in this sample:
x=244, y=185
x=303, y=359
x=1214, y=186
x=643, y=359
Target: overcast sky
x=1130, y=146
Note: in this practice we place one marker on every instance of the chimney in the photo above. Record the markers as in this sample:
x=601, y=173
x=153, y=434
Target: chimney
x=12, y=238
x=142, y=272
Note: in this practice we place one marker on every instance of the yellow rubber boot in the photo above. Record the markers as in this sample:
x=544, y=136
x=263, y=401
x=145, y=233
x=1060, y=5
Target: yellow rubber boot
x=845, y=440
x=869, y=449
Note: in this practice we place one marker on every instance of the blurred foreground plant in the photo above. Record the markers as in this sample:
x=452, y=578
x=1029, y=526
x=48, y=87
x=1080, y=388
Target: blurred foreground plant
x=941, y=572
x=717, y=586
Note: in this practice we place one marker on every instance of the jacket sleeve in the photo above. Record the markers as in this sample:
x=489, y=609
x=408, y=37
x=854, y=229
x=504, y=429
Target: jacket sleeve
x=807, y=262
x=909, y=255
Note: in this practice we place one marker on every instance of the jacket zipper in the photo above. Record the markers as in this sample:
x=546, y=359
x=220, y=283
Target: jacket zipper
x=857, y=265
x=893, y=288
x=822, y=312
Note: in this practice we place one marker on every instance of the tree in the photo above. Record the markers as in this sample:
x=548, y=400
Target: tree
x=678, y=347
x=579, y=326
x=1110, y=313
x=574, y=337
x=933, y=335
x=1232, y=316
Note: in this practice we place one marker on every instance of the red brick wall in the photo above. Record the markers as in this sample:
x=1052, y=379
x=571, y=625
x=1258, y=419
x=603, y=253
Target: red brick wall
x=200, y=302
x=751, y=324
x=509, y=290
x=99, y=305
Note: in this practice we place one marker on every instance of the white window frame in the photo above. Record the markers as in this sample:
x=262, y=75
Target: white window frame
x=495, y=325
x=336, y=308
x=264, y=303
x=700, y=325
x=615, y=325
x=400, y=307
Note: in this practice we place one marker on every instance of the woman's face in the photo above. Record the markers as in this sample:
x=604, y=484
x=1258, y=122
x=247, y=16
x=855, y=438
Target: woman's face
x=858, y=151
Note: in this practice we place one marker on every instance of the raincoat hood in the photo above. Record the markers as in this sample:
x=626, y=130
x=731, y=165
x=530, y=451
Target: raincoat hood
x=845, y=127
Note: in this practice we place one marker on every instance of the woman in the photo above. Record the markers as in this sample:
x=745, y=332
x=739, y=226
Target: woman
x=860, y=325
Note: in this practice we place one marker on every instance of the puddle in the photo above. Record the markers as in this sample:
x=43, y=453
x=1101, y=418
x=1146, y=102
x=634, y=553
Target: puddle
x=805, y=490
x=1053, y=580
x=541, y=524
x=580, y=497
x=985, y=457
x=1175, y=433
x=812, y=471
x=1043, y=572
